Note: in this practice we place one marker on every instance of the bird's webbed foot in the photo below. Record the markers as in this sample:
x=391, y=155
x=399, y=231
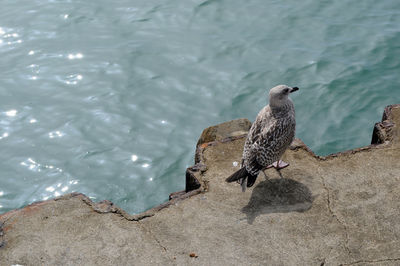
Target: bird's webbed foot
x=278, y=165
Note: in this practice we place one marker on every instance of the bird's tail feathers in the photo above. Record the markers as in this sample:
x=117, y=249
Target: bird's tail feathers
x=251, y=180
x=239, y=174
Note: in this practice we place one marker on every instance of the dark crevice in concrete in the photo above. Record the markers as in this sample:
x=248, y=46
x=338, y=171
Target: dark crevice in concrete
x=342, y=223
x=370, y=261
x=158, y=242
x=153, y=236
x=192, y=183
x=193, y=187
x=2, y=242
x=382, y=132
x=8, y=216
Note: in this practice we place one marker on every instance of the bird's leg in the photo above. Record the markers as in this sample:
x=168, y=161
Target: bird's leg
x=243, y=184
x=278, y=165
x=263, y=171
x=279, y=173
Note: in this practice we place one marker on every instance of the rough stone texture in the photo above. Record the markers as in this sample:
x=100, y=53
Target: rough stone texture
x=68, y=231
x=222, y=131
x=339, y=209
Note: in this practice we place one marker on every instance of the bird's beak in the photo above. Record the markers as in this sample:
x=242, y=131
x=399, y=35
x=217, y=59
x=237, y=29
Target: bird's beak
x=294, y=89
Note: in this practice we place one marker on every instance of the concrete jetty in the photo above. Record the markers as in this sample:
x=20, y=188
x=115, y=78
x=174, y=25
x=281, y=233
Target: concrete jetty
x=342, y=209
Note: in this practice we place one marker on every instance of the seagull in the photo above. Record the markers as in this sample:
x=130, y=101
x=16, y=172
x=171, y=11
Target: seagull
x=268, y=138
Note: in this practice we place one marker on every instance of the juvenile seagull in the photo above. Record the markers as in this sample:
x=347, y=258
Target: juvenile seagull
x=268, y=138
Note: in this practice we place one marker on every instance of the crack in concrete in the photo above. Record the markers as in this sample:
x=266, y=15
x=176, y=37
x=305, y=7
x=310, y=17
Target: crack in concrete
x=328, y=199
x=144, y=228
x=106, y=206
x=2, y=230
x=370, y=261
x=2, y=242
x=152, y=235
x=115, y=210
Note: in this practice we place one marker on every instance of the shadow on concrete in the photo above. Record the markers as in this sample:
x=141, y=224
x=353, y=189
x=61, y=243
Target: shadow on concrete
x=278, y=196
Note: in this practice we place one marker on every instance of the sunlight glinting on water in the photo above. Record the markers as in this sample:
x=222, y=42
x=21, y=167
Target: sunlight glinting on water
x=9, y=38
x=56, y=134
x=4, y=135
x=75, y=56
x=134, y=158
x=58, y=189
x=108, y=99
x=11, y=113
x=35, y=166
x=1, y=194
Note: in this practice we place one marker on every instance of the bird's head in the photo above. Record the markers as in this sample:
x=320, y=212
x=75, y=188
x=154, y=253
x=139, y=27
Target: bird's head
x=279, y=95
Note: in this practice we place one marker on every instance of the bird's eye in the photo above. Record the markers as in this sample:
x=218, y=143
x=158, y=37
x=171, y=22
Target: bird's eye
x=286, y=90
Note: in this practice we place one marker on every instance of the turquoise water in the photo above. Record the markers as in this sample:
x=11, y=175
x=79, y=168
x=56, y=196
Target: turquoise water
x=108, y=98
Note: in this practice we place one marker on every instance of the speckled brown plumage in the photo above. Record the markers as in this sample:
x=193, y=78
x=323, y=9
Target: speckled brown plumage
x=269, y=136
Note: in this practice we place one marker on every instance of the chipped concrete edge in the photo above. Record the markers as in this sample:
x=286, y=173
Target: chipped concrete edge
x=382, y=137
x=104, y=206
x=2, y=241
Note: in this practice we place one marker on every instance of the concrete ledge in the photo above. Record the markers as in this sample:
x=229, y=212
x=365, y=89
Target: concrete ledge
x=340, y=209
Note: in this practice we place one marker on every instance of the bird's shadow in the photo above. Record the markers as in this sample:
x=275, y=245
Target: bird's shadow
x=278, y=196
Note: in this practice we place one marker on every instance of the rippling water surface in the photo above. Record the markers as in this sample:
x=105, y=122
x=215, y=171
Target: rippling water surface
x=109, y=98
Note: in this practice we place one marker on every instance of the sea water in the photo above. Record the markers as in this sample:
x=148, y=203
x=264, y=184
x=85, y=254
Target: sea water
x=108, y=98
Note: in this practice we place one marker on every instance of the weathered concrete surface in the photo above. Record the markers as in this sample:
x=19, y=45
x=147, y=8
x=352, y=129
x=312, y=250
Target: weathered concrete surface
x=339, y=209
x=225, y=130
